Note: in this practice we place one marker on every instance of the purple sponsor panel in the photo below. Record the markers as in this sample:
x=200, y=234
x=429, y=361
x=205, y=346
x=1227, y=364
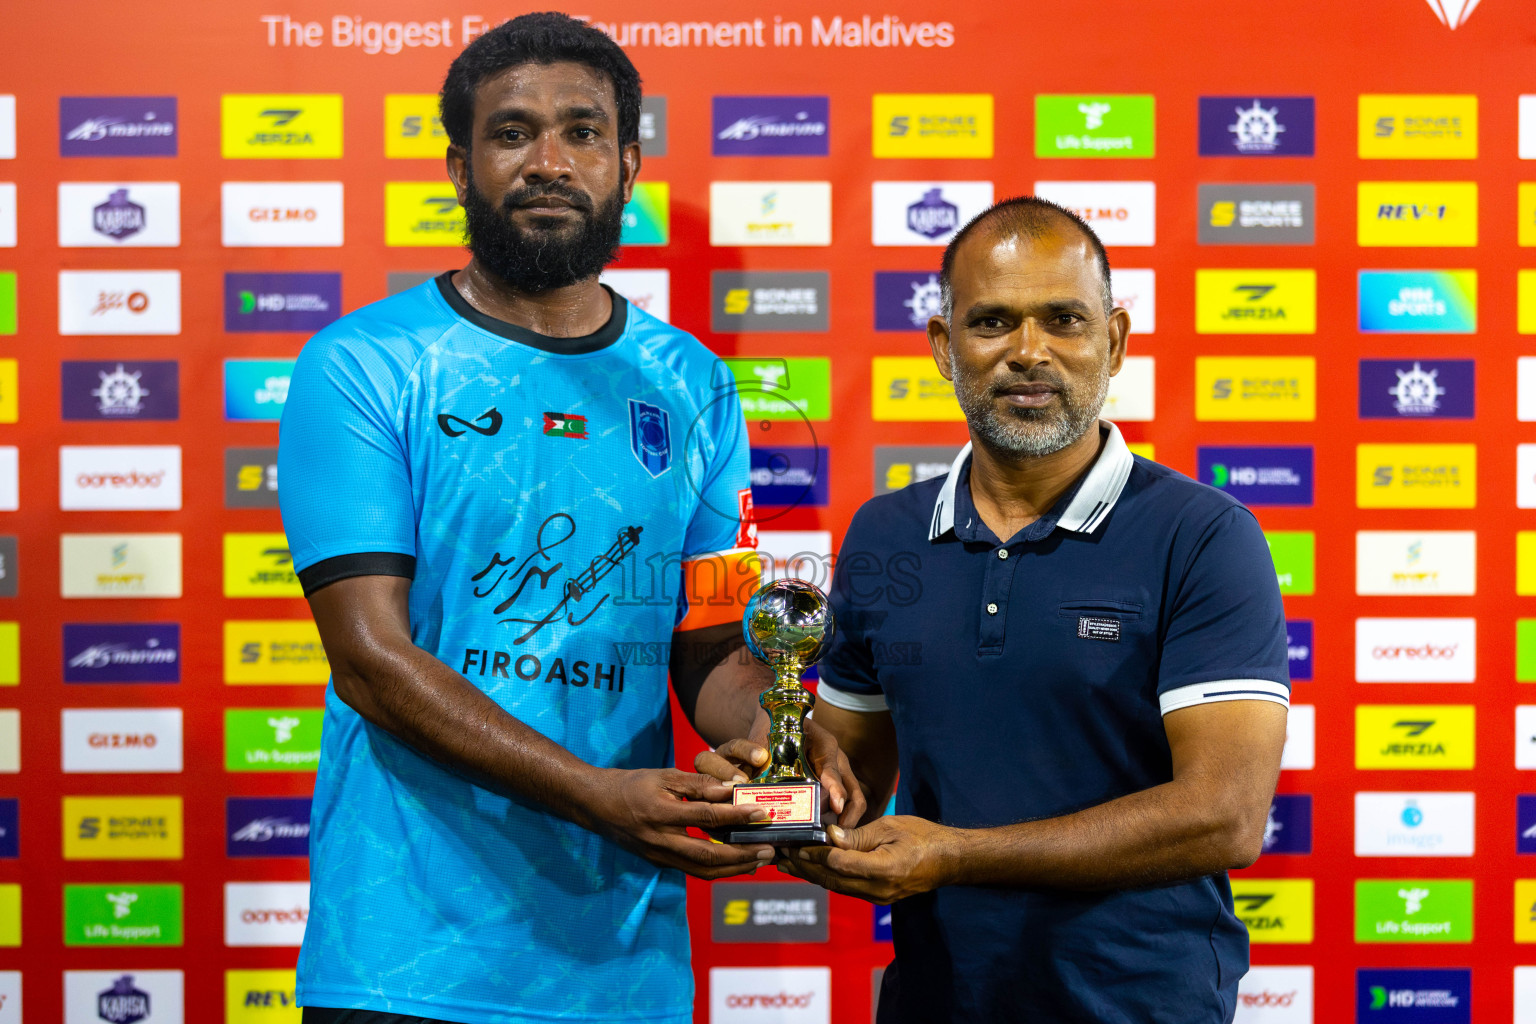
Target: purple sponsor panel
x=1258, y=475
x=1249, y=125
x=280, y=302
x=10, y=829
x=789, y=476
x=1416, y=389
x=1298, y=648
x=1289, y=827
x=1525, y=823
x=117, y=126
x=905, y=299
x=120, y=390
x=770, y=126
x=122, y=652
x=267, y=826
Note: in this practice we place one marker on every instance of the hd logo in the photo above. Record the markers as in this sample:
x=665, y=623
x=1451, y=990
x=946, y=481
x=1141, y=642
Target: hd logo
x=281, y=127
x=1256, y=301
x=1409, y=736
x=1275, y=910
x=1416, y=213
x=413, y=127
x=418, y=213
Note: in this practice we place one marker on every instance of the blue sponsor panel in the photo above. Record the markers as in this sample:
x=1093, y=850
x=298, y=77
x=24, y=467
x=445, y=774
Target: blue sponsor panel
x=770, y=126
x=1298, y=648
x=882, y=924
x=116, y=389
x=1418, y=301
x=256, y=389
x=1392, y=389
x=1413, y=996
x=267, y=826
x=122, y=652
x=280, y=302
x=1259, y=476
x=1257, y=125
x=117, y=126
x=790, y=476
x=906, y=299
x=1289, y=828
x=10, y=828
x=1525, y=823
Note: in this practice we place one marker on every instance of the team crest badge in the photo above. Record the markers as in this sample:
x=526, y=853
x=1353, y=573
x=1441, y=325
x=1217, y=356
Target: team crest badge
x=650, y=436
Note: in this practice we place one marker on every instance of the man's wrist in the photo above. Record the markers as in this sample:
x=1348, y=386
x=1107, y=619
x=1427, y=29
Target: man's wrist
x=588, y=796
x=956, y=861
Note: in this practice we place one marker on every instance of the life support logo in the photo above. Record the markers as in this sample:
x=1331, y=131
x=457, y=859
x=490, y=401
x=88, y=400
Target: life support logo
x=650, y=436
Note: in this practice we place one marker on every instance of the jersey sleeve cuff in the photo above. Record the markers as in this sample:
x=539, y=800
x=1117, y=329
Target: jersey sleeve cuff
x=864, y=703
x=363, y=563
x=1224, y=689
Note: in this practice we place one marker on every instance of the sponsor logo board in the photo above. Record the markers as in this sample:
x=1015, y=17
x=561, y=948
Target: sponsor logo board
x=1416, y=476
x=397, y=281
x=10, y=915
x=274, y=651
x=272, y=739
x=1417, y=388
x=1135, y=291
x=259, y=565
x=773, y=388
x=282, y=214
x=1416, y=562
x=250, y=478
x=287, y=126
x=1414, y=824
x=1275, y=995
x=647, y=290
x=1298, y=648
x=1525, y=650
x=1418, y=301
x=1413, y=736
x=1413, y=910
x=653, y=125
x=7, y=302
x=280, y=302
x=905, y=300
x=1295, y=556
x=1256, y=301
x=255, y=389
x=265, y=913
x=1120, y=212
x=1525, y=736
x=1276, y=910
x=418, y=213
x=1132, y=392
x=125, y=565
x=1416, y=213
x=925, y=212
x=10, y=741
x=413, y=128
x=10, y=829
x=770, y=213
x=117, y=126
x=790, y=475
x=127, y=477
x=119, y=214
x=770, y=995
x=121, y=390
x=267, y=826
x=7, y=136
x=10, y=478
x=1256, y=125
x=796, y=554
x=121, y=739
x=910, y=388
x=765, y=300
x=122, y=652
x=896, y=466
x=1300, y=750
x=261, y=997
x=1423, y=127
x=1288, y=829
x=771, y=912
x=1257, y=215
x=1095, y=126
x=1420, y=996
x=123, y=997
x=133, y=914
x=770, y=126
x=119, y=302
x=928, y=125
x=647, y=217
x=1259, y=475
x=122, y=828
x=10, y=997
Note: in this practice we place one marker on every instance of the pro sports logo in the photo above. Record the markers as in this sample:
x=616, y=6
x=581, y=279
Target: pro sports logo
x=280, y=126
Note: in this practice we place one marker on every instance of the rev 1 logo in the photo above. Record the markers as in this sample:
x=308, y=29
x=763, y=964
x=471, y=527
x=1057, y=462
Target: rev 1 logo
x=261, y=997
x=280, y=302
x=772, y=912
x=1427, y=996
x=770, y=995
x=1259, y=476
x=267, y=826
x=117, y=126
x=1417, y=389
x=770, y=126
x=1256, y=125
x=1288, y=828
x=1414, y=824
x=1416, y=213
x=129, y=652
x=790, y=476
x=118, y=390
x=1275, y=995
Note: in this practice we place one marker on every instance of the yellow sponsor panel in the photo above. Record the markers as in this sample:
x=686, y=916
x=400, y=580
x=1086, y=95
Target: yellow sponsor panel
x=1256, y=301
x=259, y=565
x=911, y=388
x=1415, y=213
x=1264, y=388
x=281, y=126
x=1525, y=288
x=1415, y=736
x=261, y=997
x=1417, y=127
x=422, y=213
x=122, y=828
x=1274, y=909
x=1525, y=910
x=1525, y=563
x=10, y=915
x=413, y=126
x=1416, y=476
x=1146, y=451
x=1526, y=204
x=933, y=125
x=10, y=396
x=274, y=651
x=10, y=653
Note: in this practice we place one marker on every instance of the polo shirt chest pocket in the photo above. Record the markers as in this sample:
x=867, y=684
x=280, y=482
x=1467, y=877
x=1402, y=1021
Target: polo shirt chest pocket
x=1101, y=639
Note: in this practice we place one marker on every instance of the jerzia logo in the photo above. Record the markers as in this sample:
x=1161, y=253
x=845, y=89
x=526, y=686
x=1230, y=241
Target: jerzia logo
x=650, y=436
x=455, y=427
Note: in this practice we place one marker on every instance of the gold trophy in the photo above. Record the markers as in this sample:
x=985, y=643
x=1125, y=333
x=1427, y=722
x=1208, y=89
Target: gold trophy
x=787, y=625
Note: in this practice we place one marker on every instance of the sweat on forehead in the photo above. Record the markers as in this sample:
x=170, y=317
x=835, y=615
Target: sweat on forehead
x=1027, y=217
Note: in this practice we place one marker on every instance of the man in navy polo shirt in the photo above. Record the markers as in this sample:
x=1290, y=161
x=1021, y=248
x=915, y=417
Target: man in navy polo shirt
x=1090, y=733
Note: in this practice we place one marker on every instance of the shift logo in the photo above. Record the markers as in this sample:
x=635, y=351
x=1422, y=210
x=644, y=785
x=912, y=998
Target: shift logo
x=281, y=127
x=1430, y=996
x=1410, y=736
x=120, y=565
x=925, y=212
x=1275, y=910
x=1419, y=562
x=1256, y=301
x=1418, y=910
x=770, y=213
x=1256, y=125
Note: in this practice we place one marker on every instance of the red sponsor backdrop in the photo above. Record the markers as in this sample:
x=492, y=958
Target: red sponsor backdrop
x=1176, y=53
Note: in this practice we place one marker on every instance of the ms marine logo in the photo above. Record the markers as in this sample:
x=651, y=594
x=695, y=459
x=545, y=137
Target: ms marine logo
x=1257, y=128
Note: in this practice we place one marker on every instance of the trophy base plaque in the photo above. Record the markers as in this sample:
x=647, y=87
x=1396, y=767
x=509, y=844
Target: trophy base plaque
x=794, y=814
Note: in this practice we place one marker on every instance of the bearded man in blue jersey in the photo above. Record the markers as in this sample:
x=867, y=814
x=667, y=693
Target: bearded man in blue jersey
x=498, y=487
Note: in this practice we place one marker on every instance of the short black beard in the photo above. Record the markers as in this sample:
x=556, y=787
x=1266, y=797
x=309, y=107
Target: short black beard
x=538, y=260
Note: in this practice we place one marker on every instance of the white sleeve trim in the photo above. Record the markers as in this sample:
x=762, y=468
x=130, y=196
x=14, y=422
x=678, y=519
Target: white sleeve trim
x=1225, y=689
x=861, y=702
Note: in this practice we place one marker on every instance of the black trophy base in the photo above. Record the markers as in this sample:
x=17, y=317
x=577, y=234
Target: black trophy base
x=794, y=814
x=775, y=835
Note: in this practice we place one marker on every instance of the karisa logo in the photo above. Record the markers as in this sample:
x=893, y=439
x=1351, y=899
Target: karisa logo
x=1453, y=13
x=933, y=215
x=123, y=1003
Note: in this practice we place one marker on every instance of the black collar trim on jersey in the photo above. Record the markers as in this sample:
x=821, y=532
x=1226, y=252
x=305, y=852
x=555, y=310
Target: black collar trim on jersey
x=599, y=339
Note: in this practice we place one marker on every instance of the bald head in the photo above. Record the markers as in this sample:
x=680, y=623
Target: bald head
x=1026, y=217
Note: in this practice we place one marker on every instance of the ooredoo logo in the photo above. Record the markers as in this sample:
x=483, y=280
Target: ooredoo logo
x=265, y=913
x=782, y=995
x=782, y=999
x=1251, y=1000
x=1275, y=995
x=120, y=477
x=1415, y=650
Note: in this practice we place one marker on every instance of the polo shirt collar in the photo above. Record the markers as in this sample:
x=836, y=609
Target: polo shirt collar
x=1096, y=495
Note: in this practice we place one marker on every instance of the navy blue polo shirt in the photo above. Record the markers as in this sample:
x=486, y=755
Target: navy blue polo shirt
x=1027, y=680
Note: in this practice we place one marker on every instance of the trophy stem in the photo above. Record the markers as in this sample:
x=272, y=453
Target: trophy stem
x=786, y=702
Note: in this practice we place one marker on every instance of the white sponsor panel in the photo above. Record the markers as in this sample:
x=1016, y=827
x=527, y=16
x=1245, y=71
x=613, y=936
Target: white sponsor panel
x=1275, y=995
x=1300, y=750
x=1525, y=399
x=796, y=554
x=925, y=212
x=1135, y=291
x=1525, y=736
x=282, y=213
x=770, y=995
x=120, y=565
x=10, y=740
x=119, y=302
x=1525, y=474
x=7, y=130
x=129, y=477
x=10, y=997
x=119, y=214
x=1415, y=650
x=265, y=913
x=121, y=739
x=1414, y=824
x=1525, y=995
x=1120, y=212
x=7, y=215
x=151, y=997
x=10, y=478
x=770, y=213
x=1132, y=391
x=1528, y=152
x=1415, y=562
x=648, y=290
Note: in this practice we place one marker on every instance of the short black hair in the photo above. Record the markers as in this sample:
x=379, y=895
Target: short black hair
x=546, y=38
x=1032, y=217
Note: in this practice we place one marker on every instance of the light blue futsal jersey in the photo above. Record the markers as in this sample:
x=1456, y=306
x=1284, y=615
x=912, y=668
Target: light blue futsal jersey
x=543, y=495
